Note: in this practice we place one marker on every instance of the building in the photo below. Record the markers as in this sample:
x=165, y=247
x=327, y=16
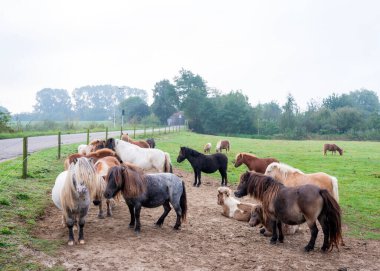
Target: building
x=176, y=119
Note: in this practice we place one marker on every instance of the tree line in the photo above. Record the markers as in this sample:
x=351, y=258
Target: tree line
x=355, y=114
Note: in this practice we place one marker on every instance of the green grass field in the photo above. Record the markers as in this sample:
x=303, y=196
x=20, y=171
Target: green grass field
x=22, y=202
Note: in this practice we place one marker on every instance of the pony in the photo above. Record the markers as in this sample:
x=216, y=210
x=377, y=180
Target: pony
x=294, y=206
x=232, y=207
x=72, y=193
x=253, y=162
x=207, y=148
x=257, y=218
x=102, y=167
x=95, y=145
x=151, y=142
x=148, y=190
x=140, y=143
x=145, y=158
x=222, y=144
x=204, y=163
x=290, y=176
x=333, y=148
x=94, y=155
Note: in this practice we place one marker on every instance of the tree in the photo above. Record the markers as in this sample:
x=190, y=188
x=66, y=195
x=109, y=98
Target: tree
x=347, y=118
x=186, y=82
x=135, y=108
x=165, y=100
x=53, y=104
x=5, y=117
x=194, y=109
x=288, y=117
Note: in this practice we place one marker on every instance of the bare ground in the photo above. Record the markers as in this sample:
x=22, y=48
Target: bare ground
x=208, y=241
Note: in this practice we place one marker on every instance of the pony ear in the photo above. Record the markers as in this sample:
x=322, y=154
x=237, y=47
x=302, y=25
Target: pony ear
x=227, y=192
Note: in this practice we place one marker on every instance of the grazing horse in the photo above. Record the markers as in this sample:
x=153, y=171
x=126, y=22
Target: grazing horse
x=151, y=142
x=72, y=193
x=232, y=207
x=222, y=144
x=333, y=148
x=140, y=143
x=257, y=218
x=290, y=176
x=207, y=148
x=150, y=191
x=253, y=162
x=145, y=158
x=204, y=163
x=94, y=155
x=294, y=206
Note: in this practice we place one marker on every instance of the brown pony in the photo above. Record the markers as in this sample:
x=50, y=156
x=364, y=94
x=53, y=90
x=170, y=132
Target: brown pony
x=294, y=206
x=290, y=176
x=94, y=155
x=253, y=162
x=222, y=144
x=333, y=148
x=140, y=143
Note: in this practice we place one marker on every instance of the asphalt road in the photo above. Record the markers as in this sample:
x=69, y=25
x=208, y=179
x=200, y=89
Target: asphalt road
x=12, y=148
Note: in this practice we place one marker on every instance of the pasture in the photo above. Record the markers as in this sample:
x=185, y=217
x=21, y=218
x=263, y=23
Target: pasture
x=30, y=234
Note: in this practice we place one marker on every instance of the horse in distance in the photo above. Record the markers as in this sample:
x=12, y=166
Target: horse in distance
x=222, y=144
x=333, y=148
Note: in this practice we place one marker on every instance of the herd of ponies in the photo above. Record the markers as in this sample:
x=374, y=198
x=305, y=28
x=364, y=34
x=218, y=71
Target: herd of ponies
x=108, y=170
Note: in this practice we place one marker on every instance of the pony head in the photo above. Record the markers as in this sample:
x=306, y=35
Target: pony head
x=110, y=144
x=181, y=155
x=256, y=216
x=340, y=151
x=242, y=188
x=223, y=192
x=238, y=159
x=114, y=181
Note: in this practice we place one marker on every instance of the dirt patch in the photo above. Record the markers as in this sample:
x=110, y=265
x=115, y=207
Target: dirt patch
x=208, y=241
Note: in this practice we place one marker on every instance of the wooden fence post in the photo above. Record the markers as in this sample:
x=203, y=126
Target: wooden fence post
x=152, y=131
x=165, y=130
x=24, y=158
x=121, y=131
x=59, y=145
x=134, y=131
x=144, y=131
x=88, y=136
x=106, y=133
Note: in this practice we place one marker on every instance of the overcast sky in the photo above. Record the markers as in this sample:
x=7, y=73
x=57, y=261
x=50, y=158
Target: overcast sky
x=267, y=49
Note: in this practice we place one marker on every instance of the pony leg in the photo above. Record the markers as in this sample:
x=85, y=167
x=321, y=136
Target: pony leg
x=314, y=234
x=178, y=211
x=109, y=209
x=132, y=212
x=273, y=240
x=167, y=209
x=280, y=233
x=224, y=177
x=199, y=179
x=70, y=224
x=195, y=178
x=101, y=214
x=326, y=232
x=81, y=226
x=137, y=216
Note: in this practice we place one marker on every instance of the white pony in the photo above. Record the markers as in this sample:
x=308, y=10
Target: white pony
x=144, y=158
x=290, y=176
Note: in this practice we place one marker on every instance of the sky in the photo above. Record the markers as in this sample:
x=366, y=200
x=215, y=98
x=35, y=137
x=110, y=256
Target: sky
x=266, y=49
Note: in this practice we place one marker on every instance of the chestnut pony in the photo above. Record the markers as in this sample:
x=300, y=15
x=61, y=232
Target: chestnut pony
x=333, y=148
x=294, y=206
x=140, y=143
x=253, y=162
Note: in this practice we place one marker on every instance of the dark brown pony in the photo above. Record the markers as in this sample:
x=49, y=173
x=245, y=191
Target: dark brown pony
x=140, y=143
x=333, y=148
x=94, y=155
x=222, y=144
x=294, y=206
x=252, y=162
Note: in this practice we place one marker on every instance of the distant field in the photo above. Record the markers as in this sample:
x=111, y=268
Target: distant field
x=358, y=173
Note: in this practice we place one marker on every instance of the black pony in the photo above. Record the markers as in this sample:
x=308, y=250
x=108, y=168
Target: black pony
x=204, y=163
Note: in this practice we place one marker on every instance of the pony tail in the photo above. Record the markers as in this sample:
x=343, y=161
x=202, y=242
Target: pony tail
x=332, y=212
x=183, y=203
x=335, y=188
x=168, y=165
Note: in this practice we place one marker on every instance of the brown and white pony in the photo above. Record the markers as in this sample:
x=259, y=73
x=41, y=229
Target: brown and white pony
x=140, y=143
x=291, y=177
x=222, y=144
x=207, y=148
x=333, y=148
x=232, y=207
x=252, y=162
x=95, y=145
x=93, y=155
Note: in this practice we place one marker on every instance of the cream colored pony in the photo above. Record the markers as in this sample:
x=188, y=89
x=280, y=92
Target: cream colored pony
x=290, y=176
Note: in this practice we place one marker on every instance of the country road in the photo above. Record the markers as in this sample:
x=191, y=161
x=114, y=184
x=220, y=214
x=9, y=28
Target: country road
x=12, y=148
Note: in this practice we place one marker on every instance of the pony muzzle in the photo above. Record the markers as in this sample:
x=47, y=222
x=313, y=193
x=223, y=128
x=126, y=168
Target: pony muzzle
x=96, y=202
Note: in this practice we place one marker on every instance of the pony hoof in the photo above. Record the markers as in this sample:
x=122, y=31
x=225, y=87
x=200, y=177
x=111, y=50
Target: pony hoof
x=273, y=242
x=308, y=248
x=131, y=226
x=198, y=185
x=137, y=232
x=101, y=216
x=262, y=231
x=81, y=242
x=194, y=184
x=324, y=249
x=177, y=228
x=158, y=225
x=70, y=243
x=109, y=214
